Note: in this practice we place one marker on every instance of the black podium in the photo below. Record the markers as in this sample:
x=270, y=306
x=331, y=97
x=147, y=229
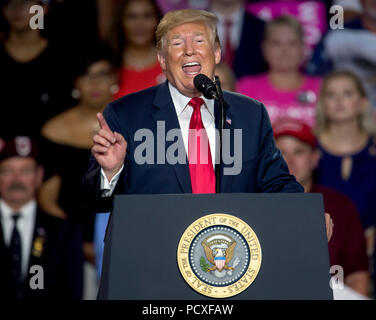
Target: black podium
x=140, y=257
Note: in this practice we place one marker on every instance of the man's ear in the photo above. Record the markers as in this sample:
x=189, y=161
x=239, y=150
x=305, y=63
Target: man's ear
x=161, y=60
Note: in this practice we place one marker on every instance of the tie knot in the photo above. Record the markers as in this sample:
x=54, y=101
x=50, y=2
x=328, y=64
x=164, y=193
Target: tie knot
x=15, y=217
x=228, y=23
x=196, y=103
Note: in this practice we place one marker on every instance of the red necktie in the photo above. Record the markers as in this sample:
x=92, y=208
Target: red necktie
x=199, y=155
x=229, y=51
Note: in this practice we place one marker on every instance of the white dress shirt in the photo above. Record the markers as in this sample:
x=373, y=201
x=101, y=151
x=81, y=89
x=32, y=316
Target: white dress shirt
x=184, y=113
x=236, y=28
x=25, y=225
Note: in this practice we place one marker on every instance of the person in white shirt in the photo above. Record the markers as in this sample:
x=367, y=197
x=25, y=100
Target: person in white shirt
x=188, y=45
x=240, y=34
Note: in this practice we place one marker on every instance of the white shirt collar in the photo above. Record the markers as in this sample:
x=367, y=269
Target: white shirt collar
x=27, y=212
x=181, y=101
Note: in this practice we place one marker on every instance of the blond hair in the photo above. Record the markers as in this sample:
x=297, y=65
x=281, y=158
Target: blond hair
x=288, y=21
x=364, y=119
x=173, y=19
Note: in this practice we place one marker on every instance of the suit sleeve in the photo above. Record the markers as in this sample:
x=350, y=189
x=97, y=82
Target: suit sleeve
x=272, y=174
x=93, y=198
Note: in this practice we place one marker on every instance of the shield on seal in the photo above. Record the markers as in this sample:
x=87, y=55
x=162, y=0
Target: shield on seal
x=220, y=262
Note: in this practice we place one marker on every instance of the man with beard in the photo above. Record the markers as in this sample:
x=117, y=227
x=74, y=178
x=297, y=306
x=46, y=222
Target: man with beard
x=41, y=256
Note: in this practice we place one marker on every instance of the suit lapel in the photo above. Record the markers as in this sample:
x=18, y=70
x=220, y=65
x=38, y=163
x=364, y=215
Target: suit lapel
x=164, y=110
x=3, y=247
x=2, y=241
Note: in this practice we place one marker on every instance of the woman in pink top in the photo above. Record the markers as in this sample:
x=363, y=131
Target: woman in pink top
x=284, y=90
x=133, y=40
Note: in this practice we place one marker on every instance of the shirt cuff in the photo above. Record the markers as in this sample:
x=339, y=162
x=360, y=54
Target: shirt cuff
x=107, y=188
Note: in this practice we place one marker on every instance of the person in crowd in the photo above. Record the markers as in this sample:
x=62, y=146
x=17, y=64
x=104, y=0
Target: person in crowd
x=226, y=76
x=67, y=139
x=352, y=48
x=347, y=144
x=134, y=44
x=35, y=83
x=347, y=248
x=352, y=8
x=187, y=44
x=240, y=34
x=284, y=89
x=33, y=243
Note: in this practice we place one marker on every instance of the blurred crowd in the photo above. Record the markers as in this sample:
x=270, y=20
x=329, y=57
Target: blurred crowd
x=316, y=78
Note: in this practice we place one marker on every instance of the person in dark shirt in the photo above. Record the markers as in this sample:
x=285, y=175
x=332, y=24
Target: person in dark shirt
x=67, y=139
x=347, y=248
x=35, y=79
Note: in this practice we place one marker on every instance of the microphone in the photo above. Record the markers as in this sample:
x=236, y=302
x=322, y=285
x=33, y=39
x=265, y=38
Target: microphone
x=205, y=86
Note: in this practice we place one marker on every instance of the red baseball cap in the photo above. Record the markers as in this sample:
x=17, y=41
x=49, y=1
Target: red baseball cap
x=296, y=129
x=20, y=146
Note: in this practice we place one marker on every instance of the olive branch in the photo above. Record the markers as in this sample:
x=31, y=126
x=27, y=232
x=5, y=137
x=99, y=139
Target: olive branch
x=204, y=266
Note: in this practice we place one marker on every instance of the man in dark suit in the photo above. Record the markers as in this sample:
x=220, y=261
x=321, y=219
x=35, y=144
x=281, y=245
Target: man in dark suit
x=241, y=35
x=146, y=146
x=41, y=256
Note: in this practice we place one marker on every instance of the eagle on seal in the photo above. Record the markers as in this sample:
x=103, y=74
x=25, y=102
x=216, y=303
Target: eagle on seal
x=219, y=255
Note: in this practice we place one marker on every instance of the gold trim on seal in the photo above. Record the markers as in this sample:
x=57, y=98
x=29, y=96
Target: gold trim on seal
x=248, y=276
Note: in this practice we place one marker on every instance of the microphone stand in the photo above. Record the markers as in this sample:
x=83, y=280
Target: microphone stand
x=221, y=102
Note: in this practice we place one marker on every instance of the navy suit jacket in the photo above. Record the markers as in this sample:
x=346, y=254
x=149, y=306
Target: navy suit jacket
x=249, y=59
x=263, y=168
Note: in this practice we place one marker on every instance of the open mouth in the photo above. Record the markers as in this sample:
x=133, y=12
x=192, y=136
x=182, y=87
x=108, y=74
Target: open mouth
x=191, y=68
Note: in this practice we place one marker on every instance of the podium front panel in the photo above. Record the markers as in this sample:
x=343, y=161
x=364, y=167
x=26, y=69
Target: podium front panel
x=140, y=258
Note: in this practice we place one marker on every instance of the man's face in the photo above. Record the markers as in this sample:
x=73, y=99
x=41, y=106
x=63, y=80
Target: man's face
x=19, y=180
x=299, y=156
x=188, y=50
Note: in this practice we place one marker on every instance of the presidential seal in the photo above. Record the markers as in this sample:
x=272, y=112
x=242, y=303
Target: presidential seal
x=219, y=255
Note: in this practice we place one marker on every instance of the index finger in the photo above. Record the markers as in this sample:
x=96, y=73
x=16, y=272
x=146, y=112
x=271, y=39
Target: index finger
x=102, y=122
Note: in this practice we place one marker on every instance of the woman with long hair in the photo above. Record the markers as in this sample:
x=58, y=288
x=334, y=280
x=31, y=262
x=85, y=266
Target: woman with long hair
x=35, y=76
x=348, y=145
x=133, y=40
